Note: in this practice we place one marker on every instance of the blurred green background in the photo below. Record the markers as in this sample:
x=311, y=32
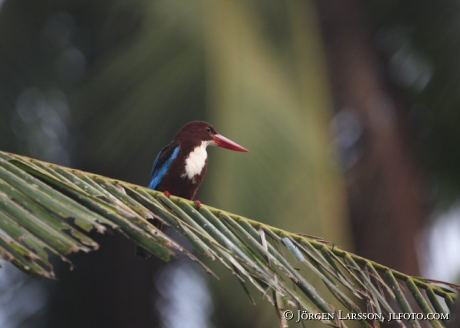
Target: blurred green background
x=349, y=110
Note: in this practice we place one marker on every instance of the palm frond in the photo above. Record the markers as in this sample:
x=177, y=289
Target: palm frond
x=48, y=210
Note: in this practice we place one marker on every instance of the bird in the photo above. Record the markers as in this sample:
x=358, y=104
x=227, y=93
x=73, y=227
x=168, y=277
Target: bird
x=180, y=167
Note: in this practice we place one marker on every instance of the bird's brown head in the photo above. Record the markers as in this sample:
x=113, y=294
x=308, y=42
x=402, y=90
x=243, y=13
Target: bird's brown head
x=199, y=131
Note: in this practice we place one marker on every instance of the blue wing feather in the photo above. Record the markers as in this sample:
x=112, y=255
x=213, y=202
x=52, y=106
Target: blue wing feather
x=162, y=164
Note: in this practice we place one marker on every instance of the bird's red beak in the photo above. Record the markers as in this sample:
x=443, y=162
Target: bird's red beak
x=223, y=142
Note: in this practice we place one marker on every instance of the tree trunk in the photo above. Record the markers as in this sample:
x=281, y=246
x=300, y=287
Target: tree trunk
x=383, y=176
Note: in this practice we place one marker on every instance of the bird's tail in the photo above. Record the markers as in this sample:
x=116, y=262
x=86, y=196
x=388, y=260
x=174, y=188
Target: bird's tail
x=141, y=252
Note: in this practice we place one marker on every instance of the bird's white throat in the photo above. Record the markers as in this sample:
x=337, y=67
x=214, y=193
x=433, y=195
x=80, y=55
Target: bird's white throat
x=196, y=161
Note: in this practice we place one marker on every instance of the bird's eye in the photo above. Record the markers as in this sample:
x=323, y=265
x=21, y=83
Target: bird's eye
x=208, y=129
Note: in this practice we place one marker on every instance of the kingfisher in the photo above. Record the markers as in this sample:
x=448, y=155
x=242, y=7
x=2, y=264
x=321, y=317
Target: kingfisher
x=180, y=167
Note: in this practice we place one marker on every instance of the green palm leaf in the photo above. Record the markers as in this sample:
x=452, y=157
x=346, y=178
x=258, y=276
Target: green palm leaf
x=47, y=210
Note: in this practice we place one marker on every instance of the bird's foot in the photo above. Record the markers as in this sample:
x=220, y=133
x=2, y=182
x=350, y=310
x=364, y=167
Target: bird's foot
x=197, y=204
x=167, y=193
